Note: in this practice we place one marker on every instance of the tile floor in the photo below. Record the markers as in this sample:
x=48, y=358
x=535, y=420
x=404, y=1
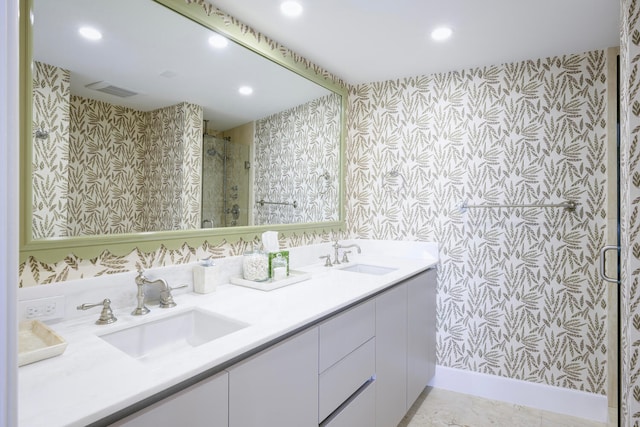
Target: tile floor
x=445, y=408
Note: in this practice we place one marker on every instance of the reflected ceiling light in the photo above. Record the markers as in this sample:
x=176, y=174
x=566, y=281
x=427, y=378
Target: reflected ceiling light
x=441, y=33
x=245, y=90
x=291, y=8
x=218, y=41
x=90, y=33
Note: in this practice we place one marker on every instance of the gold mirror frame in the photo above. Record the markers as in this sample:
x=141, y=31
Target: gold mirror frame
x=52, y=250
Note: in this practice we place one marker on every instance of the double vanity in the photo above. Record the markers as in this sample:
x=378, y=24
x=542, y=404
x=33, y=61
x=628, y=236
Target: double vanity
x=352, y=346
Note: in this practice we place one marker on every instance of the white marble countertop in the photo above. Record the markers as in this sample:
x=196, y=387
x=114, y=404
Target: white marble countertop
x=93, y=379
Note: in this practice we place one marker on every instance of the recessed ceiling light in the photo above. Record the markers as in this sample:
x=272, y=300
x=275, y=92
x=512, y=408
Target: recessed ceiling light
x=245, y=90
x=291, y=8
x=218, y=41
x=441, y=33
x=90, y=33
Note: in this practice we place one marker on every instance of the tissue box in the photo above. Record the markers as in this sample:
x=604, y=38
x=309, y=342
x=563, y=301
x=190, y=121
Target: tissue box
x=272, y=255
x=205, y=278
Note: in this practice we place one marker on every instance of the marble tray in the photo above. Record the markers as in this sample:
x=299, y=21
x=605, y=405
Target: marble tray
x=36, y=341
x=269, y=285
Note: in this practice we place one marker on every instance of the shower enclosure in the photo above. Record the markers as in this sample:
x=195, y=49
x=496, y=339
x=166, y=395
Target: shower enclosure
x=225, y=182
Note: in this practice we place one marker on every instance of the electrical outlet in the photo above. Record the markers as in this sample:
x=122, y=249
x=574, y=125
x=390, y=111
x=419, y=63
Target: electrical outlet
x=41, y=308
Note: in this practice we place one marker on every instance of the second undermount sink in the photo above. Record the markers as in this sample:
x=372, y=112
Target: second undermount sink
x=368, y=269
x=158, y=338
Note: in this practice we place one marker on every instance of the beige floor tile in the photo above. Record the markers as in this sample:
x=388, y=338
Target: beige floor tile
x=443, y=408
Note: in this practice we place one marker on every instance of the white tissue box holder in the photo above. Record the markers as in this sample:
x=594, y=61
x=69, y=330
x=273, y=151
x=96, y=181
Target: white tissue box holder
x=205, y=278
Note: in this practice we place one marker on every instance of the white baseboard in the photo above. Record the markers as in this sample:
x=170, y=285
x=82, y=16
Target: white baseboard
x=540, y=396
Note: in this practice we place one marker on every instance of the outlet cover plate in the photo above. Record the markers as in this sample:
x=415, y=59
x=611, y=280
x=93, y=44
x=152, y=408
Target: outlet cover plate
x=48, y=308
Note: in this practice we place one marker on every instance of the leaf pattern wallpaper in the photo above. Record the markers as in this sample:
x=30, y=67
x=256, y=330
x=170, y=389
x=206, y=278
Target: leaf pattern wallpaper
x=172, y=167
x=519, y=294
x=295, y=161
x=107, y=169
x=103, y=168
x=51, y=94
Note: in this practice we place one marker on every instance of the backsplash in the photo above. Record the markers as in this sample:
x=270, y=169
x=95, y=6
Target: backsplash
x=519, y=293
x=296, y=160
x=33, y=272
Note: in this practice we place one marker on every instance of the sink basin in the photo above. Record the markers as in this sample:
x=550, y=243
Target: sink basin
x=368, y=269
x=158, y=338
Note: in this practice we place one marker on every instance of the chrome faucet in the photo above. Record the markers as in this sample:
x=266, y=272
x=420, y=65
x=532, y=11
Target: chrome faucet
x=337, y=246
x=166, y=299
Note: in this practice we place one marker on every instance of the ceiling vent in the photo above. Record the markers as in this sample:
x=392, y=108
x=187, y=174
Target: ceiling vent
x=110, y=89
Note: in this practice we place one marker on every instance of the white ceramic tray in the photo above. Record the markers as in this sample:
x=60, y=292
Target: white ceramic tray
x=36, y=341
x=269, y=285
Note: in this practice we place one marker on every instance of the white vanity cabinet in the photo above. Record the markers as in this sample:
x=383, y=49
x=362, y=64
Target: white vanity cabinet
x=204, y=404
x=362, y=367
x=421, y=334
x=278, y=386
x=405, y=345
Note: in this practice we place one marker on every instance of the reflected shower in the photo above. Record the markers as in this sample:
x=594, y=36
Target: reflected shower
x=225, y=181
x=211, y=151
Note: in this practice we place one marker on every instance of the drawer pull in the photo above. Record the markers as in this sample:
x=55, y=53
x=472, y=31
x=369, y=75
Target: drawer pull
x=346, y=403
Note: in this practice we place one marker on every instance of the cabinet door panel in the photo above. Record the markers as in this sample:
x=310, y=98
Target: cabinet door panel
x=421, y=356
x=204, y=404
x=391, y=356
x=277, y=387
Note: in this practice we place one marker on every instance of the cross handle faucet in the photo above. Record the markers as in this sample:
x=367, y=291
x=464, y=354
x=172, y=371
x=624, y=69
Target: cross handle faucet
x=337, y=246
x=166, y=299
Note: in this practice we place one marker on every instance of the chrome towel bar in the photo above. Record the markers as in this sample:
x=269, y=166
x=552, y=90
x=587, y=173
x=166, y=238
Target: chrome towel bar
x=262, y=202
x=569, y=206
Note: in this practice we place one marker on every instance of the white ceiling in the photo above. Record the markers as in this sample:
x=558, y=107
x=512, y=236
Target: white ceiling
x=375, y=40
x=164, y=58
x=357, y=40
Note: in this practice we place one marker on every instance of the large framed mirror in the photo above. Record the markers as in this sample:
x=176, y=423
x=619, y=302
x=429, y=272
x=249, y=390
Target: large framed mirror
x=172, y=123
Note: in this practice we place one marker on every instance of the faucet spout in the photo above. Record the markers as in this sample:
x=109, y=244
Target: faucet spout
x=338, y=246
x=352, y=246
x=166, y=299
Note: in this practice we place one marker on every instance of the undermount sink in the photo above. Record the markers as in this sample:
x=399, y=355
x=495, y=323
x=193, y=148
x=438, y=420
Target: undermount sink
x=158, y=338
x=368, y=269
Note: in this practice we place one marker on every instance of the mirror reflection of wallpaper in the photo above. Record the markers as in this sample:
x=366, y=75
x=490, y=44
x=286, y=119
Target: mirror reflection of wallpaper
x=103, y=168
x=122, y=170
x=51, y=92
x=519, y=294
x=296, y=159
x=36, y=272
x=170, y=176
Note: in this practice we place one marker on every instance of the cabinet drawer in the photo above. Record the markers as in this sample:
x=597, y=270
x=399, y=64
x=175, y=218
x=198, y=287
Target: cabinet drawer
x=344, y=333
x=344, y=378
x=360, y=412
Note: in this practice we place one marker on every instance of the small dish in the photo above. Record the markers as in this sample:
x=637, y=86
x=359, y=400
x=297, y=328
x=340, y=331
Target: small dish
x=36, y=341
